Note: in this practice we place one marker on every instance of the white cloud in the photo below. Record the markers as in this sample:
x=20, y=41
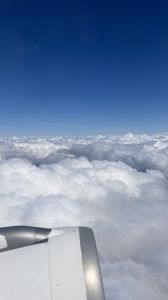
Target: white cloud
x=115, y=184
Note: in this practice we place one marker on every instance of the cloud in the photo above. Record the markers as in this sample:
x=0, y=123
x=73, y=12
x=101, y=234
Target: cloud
x=115, y=184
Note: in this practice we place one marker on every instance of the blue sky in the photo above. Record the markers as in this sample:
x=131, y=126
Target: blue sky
x=83, y=67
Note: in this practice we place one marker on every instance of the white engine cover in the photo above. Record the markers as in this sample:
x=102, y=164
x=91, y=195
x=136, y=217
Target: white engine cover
x=56, y=269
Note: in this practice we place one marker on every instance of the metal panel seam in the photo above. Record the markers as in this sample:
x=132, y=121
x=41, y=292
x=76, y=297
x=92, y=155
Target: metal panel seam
x=49, y=274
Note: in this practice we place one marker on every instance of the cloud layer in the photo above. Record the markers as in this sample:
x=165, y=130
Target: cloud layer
x=115, y=184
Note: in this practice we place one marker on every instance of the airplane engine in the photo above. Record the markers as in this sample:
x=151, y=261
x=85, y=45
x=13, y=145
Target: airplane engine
x=49, y=264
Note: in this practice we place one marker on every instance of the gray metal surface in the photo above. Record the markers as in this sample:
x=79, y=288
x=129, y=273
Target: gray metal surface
x=92, y=273
x=22, y=236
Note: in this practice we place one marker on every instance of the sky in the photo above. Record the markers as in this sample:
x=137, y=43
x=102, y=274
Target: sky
x=83, y=67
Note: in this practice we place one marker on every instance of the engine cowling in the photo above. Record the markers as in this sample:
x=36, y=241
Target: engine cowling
x=45, y=264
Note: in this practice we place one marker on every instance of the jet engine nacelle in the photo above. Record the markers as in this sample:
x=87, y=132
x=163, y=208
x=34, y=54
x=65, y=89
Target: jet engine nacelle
x=49, y=264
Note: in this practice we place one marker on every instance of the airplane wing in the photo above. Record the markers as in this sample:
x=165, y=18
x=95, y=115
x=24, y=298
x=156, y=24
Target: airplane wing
x=49, y=264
